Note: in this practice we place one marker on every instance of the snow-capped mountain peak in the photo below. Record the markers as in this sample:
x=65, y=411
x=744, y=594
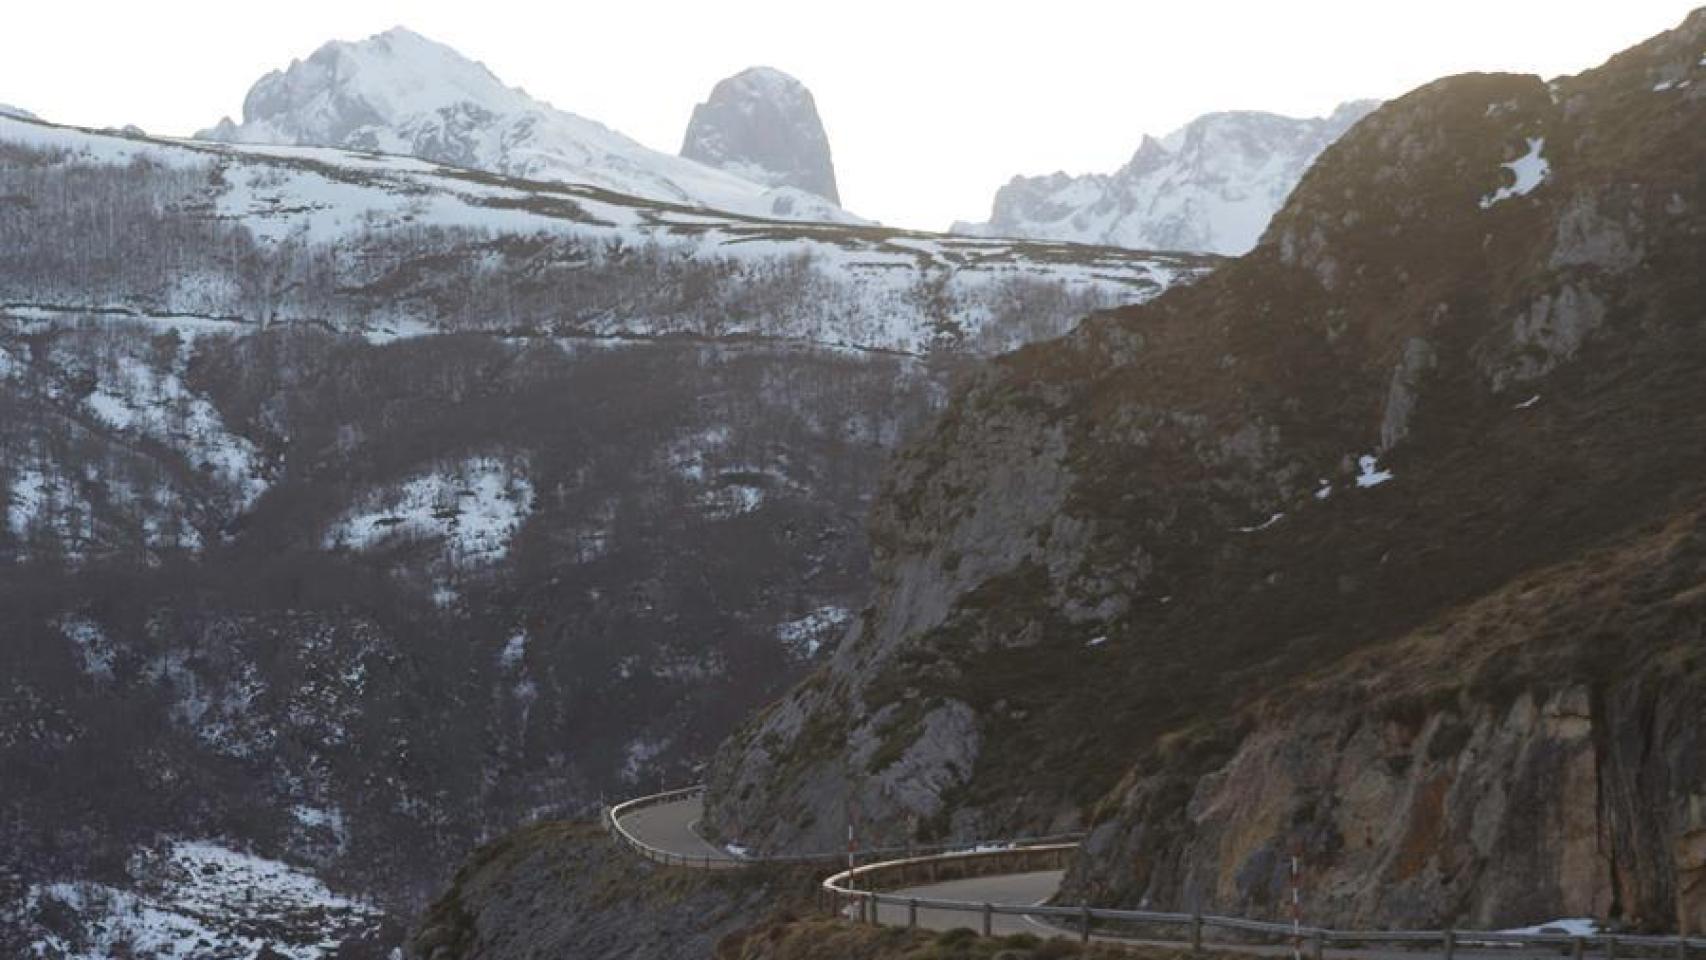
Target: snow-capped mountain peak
x=1210, y=186
x=400, y=92
x=762, y=124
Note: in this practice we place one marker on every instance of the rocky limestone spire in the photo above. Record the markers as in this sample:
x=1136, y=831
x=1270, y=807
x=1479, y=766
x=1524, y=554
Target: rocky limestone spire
x=762, y=125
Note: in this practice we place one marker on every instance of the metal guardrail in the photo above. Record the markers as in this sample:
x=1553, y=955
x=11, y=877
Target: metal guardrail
x=859, y=889
x=613, y=817
x=929, y=864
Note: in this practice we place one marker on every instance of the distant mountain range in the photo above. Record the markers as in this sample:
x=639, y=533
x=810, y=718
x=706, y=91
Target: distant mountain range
x=399, y=92
x=1210, y=187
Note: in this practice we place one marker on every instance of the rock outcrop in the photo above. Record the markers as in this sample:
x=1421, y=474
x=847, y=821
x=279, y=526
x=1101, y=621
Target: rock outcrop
x=1467, y=349
x=1538, y=754
x=762, y=125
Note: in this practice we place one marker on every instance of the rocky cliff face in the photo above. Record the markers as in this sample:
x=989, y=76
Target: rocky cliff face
x=1210, y=186
x=1461, y=352
x=762, y=125
x=1536, y=754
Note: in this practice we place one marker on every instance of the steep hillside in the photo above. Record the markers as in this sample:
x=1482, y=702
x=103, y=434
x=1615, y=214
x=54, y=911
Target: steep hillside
x=355, y=508
x=567, y=890
x=1210, y=186
x=762, y=125
x=1467, y=348
x=399, y=92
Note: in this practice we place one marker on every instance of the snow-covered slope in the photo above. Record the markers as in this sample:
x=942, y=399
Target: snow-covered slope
x=1210, y=186
x=7, y=110
x=399, y=92
x=762, y=125
x=601, y=263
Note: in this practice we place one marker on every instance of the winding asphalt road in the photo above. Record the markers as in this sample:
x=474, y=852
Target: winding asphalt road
x=673, y=827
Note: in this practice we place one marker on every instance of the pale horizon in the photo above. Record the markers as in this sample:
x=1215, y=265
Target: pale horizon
x=923, y=125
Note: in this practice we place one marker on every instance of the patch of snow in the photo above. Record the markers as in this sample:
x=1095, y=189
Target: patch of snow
x=807, y=635
x=204, y=899
x=1529, y=170
x=1096, y=641
x=1325, y=491
x=1531, y=401
x=134, y=396
x=731, y=499
x=1570, y=926
x=46, y=500
x=94, y=648
x=739, y=852
x=401, y=329
x=514, y=651
x=1663, y=85
x=1265, y=524
x=639, y=754
x=1370, y=474
x=474, y=508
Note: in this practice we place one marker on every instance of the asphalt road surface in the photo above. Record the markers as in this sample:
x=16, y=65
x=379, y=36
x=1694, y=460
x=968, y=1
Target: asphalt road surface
x=673, y=827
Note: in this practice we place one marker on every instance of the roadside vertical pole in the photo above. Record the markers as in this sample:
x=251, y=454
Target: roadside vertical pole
x=852, y=849
x=1296, y=905
x=1578, y=947
x=1611, y=948
x=1196, y=933
x=988, y=920
x=1450, y=944
x=912, y=914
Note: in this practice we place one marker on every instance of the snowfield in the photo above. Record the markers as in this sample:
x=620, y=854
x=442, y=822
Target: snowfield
x=849, y=285
x=473, y=508
x=205, y=900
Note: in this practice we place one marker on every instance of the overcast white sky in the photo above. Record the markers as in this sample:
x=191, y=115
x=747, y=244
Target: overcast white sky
x=930, y=104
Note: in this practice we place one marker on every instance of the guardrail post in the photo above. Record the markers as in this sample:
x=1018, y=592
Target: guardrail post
x=876, y=905
x=1578, y=947
x=1318, y=945
x=1450, y=944
x=988, y=920
x=912, y=914
x=1610, y=948
x=1084, y=935
x=1196, y=933
x=1681, y=947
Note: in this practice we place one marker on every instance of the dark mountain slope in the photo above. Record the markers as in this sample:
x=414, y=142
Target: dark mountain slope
x=1468, y=347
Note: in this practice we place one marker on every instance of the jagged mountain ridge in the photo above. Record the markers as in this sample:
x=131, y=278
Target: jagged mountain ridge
x=1210, y=186
x=1462, y=353
x=762, y=125
x=399, y=92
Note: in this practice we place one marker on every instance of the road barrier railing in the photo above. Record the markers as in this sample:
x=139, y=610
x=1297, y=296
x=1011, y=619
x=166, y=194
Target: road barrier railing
x=613, y=817
x=864, y=891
